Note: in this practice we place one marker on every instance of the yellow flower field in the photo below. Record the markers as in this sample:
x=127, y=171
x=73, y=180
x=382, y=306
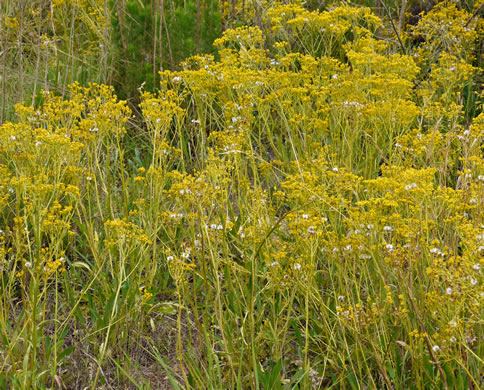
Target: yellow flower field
x=302, y=210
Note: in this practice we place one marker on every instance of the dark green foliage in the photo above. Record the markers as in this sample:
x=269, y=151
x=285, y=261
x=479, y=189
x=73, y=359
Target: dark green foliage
x=184, y=28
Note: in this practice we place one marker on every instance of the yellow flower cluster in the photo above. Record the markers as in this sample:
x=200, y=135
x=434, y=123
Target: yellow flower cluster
x=311, y=186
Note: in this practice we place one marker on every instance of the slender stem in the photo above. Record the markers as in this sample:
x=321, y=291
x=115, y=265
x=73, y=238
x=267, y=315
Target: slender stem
x=393, y=26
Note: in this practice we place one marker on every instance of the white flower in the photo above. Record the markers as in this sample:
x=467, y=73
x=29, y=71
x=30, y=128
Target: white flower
x=477, y=267
x=436, y=251
x=12, y=137
x=448, y=290
x=452, y=339
x=220, y=227
x=453, y=323
x=213, y=226
x=305, y=216
x=436, y=348
x=473, y=281
x=334, y=77
x=89, y=178
x=186, y=255
x=177, y=79
x=410, y=186
x=335, y=169
x=311, y=230
x=389, y=247
x=352, y=104
x=38, y=143
x=387, y=228
x=370, y=226
x=28, y=264
x=169, y=258
x=297, y=266
x=274, y=263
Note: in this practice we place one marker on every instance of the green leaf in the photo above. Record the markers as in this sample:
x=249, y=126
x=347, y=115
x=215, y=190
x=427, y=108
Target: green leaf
x=66, y=352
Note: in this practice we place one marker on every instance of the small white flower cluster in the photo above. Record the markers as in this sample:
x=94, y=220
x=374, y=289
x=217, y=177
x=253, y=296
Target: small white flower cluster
x=436, y=251
x=214, y=226
x=410, y=186
x=353, y=104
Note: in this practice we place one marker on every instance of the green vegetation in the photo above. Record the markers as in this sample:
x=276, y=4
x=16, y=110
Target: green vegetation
x=290, y=196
